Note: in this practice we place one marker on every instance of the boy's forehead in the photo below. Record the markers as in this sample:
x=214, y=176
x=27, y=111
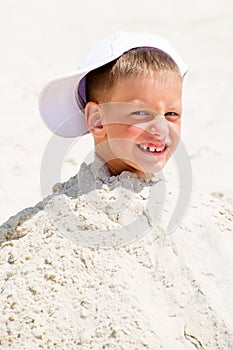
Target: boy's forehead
x=147, y=91
x=144, y=82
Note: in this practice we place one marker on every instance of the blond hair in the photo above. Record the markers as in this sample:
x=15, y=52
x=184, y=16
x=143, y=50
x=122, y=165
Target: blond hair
x=135, y=62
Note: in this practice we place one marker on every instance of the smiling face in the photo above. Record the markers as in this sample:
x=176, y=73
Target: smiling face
x=140, y=123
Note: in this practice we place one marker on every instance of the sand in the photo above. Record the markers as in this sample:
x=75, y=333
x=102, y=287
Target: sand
x=71, y=278
x=161, y=291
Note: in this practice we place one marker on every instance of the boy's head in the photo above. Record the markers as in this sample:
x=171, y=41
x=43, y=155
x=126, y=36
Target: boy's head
x=133, y=109
x=132, y=104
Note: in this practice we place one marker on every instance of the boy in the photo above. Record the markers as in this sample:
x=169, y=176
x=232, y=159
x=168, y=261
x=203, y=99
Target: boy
x=128, y=94
x=163, y=292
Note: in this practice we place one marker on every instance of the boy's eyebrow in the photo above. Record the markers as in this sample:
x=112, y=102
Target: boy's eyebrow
x=141, y=104
x=138, y=103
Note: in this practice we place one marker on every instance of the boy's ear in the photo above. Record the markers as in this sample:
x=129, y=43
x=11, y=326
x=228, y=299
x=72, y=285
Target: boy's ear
x=93, y=117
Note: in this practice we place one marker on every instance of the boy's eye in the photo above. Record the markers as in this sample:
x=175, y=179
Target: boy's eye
x=141, y=115
x=172, y=115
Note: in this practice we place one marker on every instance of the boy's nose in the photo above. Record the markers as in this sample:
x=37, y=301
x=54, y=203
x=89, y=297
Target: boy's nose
x=159, y=127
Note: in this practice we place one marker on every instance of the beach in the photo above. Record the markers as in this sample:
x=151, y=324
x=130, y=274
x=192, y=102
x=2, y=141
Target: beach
x=50, y=281
x=39, y=44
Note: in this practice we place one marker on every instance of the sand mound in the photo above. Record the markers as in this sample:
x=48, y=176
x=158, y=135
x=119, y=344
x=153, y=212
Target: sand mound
x=156, y=291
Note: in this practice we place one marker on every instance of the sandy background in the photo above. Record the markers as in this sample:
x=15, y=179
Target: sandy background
x=43, y=39
x=55, y=297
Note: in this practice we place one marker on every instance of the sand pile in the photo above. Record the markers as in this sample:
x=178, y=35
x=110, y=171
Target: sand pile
x=66, y=283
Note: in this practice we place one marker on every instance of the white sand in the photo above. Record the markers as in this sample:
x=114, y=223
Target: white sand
x=58, y=295
x=161, y=292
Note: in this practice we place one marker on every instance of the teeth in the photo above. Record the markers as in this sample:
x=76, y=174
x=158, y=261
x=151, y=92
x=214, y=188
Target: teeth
x=152, y=149
x=159, y=149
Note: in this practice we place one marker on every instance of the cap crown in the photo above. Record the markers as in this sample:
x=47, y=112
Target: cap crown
x=119, y=42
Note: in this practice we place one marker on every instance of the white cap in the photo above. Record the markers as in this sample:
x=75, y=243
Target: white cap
x=58, y=103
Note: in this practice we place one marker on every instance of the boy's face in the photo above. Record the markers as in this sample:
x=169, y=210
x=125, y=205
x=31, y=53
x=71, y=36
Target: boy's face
x=141, y=124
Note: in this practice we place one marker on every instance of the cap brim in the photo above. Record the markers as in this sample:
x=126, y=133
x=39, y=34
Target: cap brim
x=58, y=106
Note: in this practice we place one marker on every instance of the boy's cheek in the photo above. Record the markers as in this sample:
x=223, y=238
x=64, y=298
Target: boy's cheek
x=125, y=131
x=134, y=130
x=175, y=128
x=178, y=123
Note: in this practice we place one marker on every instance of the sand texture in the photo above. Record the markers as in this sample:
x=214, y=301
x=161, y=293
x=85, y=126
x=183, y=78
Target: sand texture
x=64, y=281
x=159, y=292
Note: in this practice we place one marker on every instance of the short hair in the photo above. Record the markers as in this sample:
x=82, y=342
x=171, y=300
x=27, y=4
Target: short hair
x=135, y=62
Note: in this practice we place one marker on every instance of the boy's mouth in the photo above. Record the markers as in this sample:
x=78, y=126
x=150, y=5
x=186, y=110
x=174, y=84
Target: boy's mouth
x=151, y=148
